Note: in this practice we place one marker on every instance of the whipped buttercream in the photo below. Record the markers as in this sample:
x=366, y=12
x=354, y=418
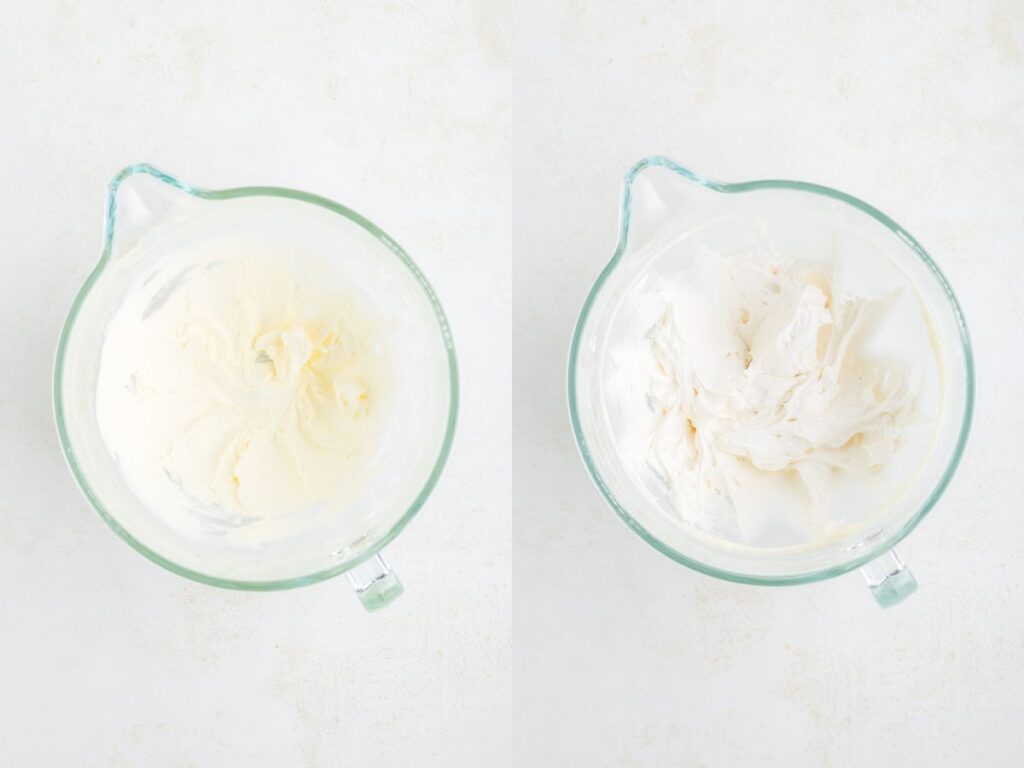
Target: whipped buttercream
x=242, y=386
x=765, y=374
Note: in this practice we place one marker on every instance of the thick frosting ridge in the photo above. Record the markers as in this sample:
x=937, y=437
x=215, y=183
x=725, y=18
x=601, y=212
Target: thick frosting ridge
x=768, y=368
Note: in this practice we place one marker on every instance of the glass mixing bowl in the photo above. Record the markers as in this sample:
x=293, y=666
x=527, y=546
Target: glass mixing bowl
x=663, y=202
x=149, y=215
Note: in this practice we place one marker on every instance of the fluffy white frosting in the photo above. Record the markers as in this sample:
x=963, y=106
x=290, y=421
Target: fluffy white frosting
x=762, y=369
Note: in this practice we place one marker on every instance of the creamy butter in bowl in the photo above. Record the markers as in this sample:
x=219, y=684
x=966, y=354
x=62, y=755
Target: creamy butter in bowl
x=256, y=387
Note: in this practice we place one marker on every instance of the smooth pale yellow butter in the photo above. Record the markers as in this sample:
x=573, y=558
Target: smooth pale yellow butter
x=247, y=382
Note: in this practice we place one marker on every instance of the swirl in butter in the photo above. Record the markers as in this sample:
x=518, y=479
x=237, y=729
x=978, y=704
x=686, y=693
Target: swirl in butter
x=246, y=380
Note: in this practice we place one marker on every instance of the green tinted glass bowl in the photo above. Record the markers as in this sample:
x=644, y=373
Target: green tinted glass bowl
x=146, y=211
x=659, y=197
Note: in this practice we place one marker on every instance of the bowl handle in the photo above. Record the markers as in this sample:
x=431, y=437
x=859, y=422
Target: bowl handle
x=375, y=583
x=889, y=580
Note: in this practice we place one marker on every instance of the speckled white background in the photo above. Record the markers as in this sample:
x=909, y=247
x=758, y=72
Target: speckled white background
x=490, y=139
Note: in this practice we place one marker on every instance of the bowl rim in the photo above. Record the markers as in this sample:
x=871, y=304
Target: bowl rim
x=625, y=214
x=227, y=194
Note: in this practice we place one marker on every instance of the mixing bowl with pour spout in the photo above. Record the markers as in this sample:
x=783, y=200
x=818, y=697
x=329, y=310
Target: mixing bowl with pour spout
x=150, y=216
x=669, y=215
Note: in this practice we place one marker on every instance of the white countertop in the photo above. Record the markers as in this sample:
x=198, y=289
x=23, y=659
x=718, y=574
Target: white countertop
x=535, y=628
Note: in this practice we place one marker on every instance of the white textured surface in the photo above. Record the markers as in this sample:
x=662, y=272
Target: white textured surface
x=490, y=140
